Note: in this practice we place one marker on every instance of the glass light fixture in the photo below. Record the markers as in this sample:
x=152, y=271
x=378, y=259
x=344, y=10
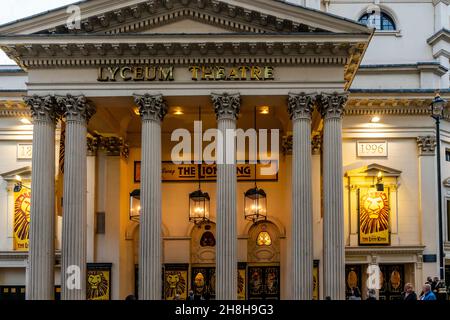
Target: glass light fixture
x=135, y=205
x=437, y=107
x=255, y=204
x=255, y=199
x=199, y=203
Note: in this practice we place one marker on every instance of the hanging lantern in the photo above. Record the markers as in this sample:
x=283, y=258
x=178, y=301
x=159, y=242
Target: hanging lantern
x=255, y=204
x=198, y=207
x=135, y=205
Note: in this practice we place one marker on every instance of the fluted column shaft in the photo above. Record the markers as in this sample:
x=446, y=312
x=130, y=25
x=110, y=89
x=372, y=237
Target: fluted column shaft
x=152, y=109
x=74, y=228
x=41, y=257
x=332, y=108
x=227, y=109
x=300, y=107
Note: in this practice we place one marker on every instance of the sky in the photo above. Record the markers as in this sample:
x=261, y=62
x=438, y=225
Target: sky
x=11, y=10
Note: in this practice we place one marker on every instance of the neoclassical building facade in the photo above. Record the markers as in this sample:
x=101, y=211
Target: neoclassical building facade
x=93, y=205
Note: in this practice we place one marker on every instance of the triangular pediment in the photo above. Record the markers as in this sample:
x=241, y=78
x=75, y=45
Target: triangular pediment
x=185, y=26
x=372, y=170
x=134, y=16
x=23, y=173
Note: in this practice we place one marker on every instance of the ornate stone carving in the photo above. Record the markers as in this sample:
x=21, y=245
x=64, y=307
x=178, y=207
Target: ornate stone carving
x=286, y=144
x=43, y=108
x=151, y=107
x=114, y=146
x=75, y=108
x=226, y=106
x=426, y=145
x=332, y=105
x=301, y=106
x=92, y=145
x=316, y=144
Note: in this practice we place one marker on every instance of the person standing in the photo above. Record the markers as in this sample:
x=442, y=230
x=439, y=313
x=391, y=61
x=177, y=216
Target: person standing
x=409, y=294
x=372, y=295
x=427, y=293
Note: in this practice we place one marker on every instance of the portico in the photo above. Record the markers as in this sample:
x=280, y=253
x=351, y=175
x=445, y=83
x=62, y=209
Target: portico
x=125, y=76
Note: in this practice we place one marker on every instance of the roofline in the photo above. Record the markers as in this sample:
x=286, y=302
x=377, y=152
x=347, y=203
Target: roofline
x=323, y=12
x=243, y=3
x=27, y=18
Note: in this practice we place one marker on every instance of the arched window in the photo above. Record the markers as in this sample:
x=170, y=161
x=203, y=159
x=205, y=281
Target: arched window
x=380, y=21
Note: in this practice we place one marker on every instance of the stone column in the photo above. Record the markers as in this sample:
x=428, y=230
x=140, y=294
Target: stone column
x=332, y=109
x=41, y=258
x=300, y=107
x=77, y=112
x=152, y=109
x=226, y=107
x=428, y=206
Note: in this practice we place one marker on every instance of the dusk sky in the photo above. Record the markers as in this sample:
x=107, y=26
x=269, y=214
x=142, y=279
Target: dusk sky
x=11, y=10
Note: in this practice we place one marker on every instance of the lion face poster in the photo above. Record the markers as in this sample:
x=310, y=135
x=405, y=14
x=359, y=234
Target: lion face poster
x=98, y=285
x=175, y=283
x=374, y=213
x=22, y=201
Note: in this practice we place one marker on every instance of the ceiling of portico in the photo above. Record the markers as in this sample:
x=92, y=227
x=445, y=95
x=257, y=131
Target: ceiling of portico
x=117, y=115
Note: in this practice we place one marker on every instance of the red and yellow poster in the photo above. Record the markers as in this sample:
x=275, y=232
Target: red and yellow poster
x=22, y=201
x=374, y=211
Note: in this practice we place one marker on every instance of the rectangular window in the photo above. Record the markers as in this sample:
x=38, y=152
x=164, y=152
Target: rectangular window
x=447, y=155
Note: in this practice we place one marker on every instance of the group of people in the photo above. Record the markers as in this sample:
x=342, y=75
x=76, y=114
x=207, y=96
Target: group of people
x=430, y=291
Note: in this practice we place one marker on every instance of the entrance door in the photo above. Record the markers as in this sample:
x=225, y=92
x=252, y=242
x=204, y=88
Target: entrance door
x=263, y=282
x=392, y=281
x=203, y=282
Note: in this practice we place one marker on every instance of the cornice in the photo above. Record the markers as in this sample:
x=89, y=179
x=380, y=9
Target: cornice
x=35, y=52
x=443, y=34
x=13, y=109
x=432, y=66
x=384, y=250
x=387, y=106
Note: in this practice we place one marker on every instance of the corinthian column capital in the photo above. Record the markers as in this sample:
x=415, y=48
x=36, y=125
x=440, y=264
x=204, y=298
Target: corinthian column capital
x=426, y=145
x=43, y=108
x=332, y=105
x=226, y=106
x=151, y=107
x=76, y=108
x=301, y=106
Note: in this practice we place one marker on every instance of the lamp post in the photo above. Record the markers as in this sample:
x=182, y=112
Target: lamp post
x=437, y=113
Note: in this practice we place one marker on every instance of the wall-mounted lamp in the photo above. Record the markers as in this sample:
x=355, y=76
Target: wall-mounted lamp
x=380, y=184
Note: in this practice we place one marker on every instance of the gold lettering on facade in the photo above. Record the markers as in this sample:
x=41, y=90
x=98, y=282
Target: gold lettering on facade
x=221, y=73
x=194, y=70
x=125, y=73
x=202, y=72
x=166, y=74
x=135, y=73
x=256, y=73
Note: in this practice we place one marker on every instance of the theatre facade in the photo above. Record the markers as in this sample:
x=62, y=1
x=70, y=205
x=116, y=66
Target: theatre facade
x=94, y=206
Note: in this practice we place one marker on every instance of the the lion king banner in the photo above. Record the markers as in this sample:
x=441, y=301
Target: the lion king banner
x=175, y=282
x=374, y=211
x=22, y=201
x=98, y=282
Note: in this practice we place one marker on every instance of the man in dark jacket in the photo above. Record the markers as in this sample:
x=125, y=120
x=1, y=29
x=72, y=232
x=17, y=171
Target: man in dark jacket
x=409, y=294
